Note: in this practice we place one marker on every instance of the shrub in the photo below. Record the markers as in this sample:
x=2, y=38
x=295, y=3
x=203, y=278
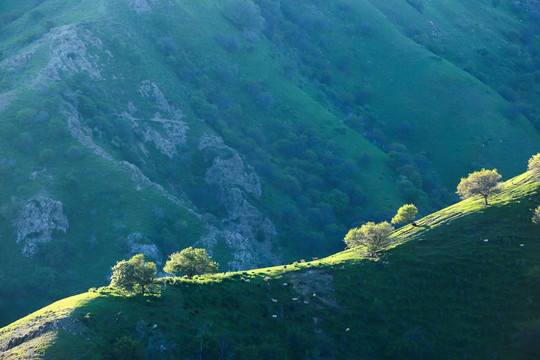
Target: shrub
x=244, y=15
x=125, y=347
x=229, y=42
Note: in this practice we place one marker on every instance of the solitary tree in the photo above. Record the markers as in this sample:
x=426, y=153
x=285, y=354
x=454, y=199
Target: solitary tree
x=190, y=262
x=406, y=213
x=484, y=182
x=373, y=236
x=534, y=166
x=134, y=275
x=536, y=216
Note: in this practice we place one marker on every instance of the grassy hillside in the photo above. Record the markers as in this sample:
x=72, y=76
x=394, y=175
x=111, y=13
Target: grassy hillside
x=460, y=285
x=262, y=130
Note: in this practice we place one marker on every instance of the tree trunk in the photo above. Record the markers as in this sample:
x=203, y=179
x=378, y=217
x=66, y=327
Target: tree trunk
x=413, y=223
x=485, y=200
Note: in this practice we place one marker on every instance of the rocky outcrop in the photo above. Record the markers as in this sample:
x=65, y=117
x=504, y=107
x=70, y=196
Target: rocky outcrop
x=36, y=222
x=69, y=45
x=246, y=253
x=140, y=244
x=139, y=6
x=166, y=129
x=233, y=171
x=211, y=141
x=246, y=231
x=68, y=54
x=6, y=99
x=81, y=132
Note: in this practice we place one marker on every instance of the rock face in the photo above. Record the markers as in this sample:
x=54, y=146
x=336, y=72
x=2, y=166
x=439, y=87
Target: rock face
x=140, y=244
x=166, y=129
x=36, y=222
x=68, y=54
x=139, y=6
x=232, y=171
x=245, y=230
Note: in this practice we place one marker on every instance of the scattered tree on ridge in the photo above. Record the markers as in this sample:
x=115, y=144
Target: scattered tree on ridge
x=406, y=213
x=134, y=275
x=484, y=182
x=190, y=262
x=534, y=166
x=373, y=236
x=536, y=216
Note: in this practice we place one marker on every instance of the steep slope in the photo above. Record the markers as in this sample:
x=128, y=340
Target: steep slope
x=460, y=285
x=261, y=130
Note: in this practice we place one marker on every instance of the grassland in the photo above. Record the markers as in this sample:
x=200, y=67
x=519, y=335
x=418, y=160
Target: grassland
x=316, y=100
x=460, y=285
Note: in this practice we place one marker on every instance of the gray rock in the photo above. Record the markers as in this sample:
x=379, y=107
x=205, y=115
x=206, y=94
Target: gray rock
x=35, y=223
x=140, y=244
x=167, y=129
x=244, y=224
x=233, y=171
x=140, y=6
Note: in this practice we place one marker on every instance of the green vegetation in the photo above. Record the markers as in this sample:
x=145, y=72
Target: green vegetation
x=373, y=237
x=344, y=110
x=406, y=213
x=536, y=215
x=534, y=166
x=134, y=275
x=483, y=182
x=480, y=262
x=190, y=262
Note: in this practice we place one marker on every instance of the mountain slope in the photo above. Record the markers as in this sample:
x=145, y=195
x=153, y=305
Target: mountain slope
x=460, y=285
x=260, y=130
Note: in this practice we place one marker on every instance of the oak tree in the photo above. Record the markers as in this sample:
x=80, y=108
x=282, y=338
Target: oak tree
x=534, y=166
x=406, y=213
x=483, y=182
x=374, y=237
x=191, y=262
x=134, y=275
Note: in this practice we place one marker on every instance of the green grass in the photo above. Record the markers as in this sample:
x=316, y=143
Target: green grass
x=441, y=85
x=442, y=292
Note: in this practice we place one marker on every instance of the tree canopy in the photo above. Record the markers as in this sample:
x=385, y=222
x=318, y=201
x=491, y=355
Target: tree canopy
x=371, y=235
x=536, y=216
x=191, y=262
x=534, y=166
x=484, y=183
x=406, y=213
x=134, y=275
